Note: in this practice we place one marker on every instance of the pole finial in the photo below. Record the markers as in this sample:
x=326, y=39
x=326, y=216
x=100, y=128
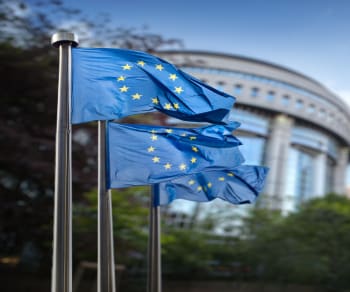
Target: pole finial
x=64, y=37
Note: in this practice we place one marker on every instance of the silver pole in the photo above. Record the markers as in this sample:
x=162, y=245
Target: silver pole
x=154, y=280
x=62, y=232
x=105, y=270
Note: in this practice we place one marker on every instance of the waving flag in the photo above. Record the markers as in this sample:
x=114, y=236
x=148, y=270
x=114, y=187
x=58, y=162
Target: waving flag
x=239, y=185
x=141, y=155
x=110, y=84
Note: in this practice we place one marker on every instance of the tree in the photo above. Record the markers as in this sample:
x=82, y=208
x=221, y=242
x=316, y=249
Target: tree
x=28, y=118
x=309, y=246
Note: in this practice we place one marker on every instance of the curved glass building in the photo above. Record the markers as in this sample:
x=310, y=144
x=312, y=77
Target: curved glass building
x=290, y=123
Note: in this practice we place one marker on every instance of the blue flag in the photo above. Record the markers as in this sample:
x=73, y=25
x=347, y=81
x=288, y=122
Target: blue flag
x=239, y=185
x=141, y=155
x=110, y=84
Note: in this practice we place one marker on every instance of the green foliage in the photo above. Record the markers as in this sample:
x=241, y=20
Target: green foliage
x=130, y=224
x=309, y=246
x=29, y=66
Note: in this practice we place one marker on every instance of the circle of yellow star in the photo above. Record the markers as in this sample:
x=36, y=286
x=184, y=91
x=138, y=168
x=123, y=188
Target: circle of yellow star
x=182, y=166
x=199, y=188
x=159, y=67
x=156, y=159
x=230, y=174
x=193, y=138
x=209, y=185
x=136, y=96
x=141, y=63
x=173, y=77
x=221, y=178
x=151, y=149
x=169, y=130
x=167, y=166
x=154, y=137
x=176, y=106
x=195, y=149
x=155, y=100
x=178, y=89
x=193, y=160
x=127, y=67
x=121, y=78
x=124, y=88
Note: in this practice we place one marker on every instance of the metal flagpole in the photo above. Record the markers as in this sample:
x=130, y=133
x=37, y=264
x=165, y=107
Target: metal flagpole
x=62, y=232
x=105, y=270
x=154, y=280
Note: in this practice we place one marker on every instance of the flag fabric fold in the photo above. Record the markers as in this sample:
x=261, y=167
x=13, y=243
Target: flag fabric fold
x=239, y=185
x=142, y=155
x=110, y=84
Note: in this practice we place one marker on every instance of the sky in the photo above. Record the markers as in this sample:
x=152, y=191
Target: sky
x=308, y=36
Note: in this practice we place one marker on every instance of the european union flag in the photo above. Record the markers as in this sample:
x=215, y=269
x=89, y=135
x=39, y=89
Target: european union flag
x=239, y=185
x=141, y=155
x=109, y=84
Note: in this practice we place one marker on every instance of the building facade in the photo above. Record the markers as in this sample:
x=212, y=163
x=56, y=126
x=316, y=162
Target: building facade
x=290, y=123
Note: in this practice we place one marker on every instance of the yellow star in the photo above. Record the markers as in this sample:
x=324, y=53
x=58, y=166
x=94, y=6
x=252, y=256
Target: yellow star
x=126, y=67
x=124, y=88
x=159, y=67
x=169, y=130
x=193, y=160
x=155, y=100
x=173, y=77
x=209, y=185
x=141, y=63
x=193, y=138
x=195, y=149
x=121, y=78
x=221, y=178
x=153, y=131
x=183, y=134
x=178, y=89
x=191, y=182
x=156, y=159
x=182, y=166
x=167, y=166
x=154, y=137
x=176, y=106
x=230, y=174
x=136, y=96
x=151, y=149
x=200, y=188
x=168, y=106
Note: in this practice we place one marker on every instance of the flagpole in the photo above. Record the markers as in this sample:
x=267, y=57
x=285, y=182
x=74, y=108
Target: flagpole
x=62, y=227
x=106, y=269
x=154, y=281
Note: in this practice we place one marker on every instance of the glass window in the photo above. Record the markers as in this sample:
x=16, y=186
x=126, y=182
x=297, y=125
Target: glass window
x=322, y=113
x=300, y=176
x=254, y=92
x=270, y=96
x=330, y=175
x=220, y=85
x=299, y=104
x=237, y=89
x=311, y=109
x=252, y=149
x=285, y=100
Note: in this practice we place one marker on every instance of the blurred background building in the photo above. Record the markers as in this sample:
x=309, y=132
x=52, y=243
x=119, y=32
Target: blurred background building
x=290, y=123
